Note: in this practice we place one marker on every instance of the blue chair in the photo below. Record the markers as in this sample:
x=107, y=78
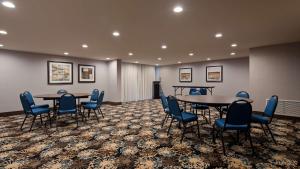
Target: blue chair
x=61, y=92
x=31, y=102
x=238, y=118
x=243, y=94
x=94, y=97
x=193, y=91
x=30, y=110
x=265, y=118
x=203, y=108
x=67, y=105
x=95, y=106
x=165, y=106
x=181, y=116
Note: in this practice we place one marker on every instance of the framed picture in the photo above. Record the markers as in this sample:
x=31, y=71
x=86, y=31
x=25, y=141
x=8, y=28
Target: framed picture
x=185, y=74
x=86, y=74
x=60, y=72
x=214, y=73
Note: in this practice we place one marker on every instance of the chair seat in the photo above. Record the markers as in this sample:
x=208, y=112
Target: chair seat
x=41, y=110
x=260, y=119
x=90, y=106
x=187, y=117
x=200, y=106
x=71, y=111
x=88, y=102
x=221, y=122
x=40, y=106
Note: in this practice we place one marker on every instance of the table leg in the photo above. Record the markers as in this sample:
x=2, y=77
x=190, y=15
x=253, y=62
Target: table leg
x=181, y=89
x=219, y=109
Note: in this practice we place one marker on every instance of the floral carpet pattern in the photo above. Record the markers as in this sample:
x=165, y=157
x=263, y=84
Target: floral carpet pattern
x=130, y=136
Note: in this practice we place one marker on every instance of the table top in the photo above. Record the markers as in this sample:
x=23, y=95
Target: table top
x=57, y=96
x=186, y=86
x=210, y=100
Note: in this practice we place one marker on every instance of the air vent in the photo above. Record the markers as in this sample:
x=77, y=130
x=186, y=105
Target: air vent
x=288, y=108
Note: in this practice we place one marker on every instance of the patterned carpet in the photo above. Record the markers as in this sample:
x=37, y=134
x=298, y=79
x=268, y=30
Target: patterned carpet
x=130, y=136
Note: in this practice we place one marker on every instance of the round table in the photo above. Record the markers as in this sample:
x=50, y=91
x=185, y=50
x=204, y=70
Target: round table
x=214, y=101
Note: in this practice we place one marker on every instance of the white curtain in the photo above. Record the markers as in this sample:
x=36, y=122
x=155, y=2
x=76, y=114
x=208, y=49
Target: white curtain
x=136, y=81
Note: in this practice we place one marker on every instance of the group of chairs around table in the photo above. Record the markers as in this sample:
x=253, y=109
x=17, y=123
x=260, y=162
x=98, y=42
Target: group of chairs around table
x=65, y=105
x=239, y=116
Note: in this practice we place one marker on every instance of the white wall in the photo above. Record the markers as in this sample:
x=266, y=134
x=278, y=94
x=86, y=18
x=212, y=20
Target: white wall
x=114, y=80
x=20, y=71
x=275, y=70
x=235, y=76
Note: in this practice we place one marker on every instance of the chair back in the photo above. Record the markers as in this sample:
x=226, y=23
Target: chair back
x=62, y=91
x=95, y=95
x=239, y=113
x=271, y=106
x=25, y=104
x=100, y=99
x=29, y=98
x=174, y=106
x=67, y=102
x=193, y=91
x=243, y=94
x=164, y=101
x=203, y=91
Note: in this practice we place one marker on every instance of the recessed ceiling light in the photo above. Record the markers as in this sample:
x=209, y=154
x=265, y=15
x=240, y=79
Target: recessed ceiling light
x=234, y=45
x=156, y=64
x=177, y=9
x=107, y=58
x=158, y=58
x=136, y=62
x=130, y=54
x=191, y=54
x=218, y=35
x=3, y=32
x=208, y=59
x=84, y=45
x=179, y=62
x=232, y=53
x=116, y=33
x=1, y=45
x=66, y=53
x=8, y=4
x=164, y=46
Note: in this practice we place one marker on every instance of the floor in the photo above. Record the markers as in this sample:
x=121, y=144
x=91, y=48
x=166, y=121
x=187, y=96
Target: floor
x=130, y=136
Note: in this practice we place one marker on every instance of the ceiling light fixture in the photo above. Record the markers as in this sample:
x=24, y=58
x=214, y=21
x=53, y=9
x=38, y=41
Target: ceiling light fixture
x=116, y=33
x=177, y=9
x=130, y=54
x=8, y=4
x=179, y=62
x=164, y=46
x=159, y=59
x=156, y=64
x=1, y=45
x=107, y=58
x=66, y=53
x=136, y=62
x=234, y=45
x=191, y=54
x=218, y=35
x=232, y=53
x=3, y=32
x=208, y=59
x=84, y=45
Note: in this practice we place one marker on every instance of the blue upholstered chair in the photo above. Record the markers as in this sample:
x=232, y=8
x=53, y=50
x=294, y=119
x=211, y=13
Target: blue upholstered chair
x=202, y=107
x=165, y=106
x=94, y=97
x=193, y=91
x=265, y=118
x=67, y=105
x=30, y=110
x=238, y=118
x=181, y=116
x=61, y=92
x=243, y=94
x=95, y=106
x=31, y=102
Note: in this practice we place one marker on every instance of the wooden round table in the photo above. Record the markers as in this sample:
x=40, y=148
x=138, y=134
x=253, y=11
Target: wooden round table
x=214, y=101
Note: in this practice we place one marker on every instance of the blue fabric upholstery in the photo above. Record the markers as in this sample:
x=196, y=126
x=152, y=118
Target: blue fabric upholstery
x=200, y=106
x=221, y=124
x=203, y=91
x=95, y=105
x=243, y=94
x=31, y=102
x=62, y=91
x=69, y=111
x=271, y=106
x=90, y=106
x=187, y=117
x=194, y=91
x=94, y=97
x=40, y=106
x=260, y=119
x=67, y=103
x=37, y=111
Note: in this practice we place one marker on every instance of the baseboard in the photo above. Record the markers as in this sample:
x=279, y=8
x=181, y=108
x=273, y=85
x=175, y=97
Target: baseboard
x=12, y=113
x=112, y=103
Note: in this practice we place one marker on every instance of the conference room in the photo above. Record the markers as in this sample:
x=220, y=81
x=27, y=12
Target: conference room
x=149, y=84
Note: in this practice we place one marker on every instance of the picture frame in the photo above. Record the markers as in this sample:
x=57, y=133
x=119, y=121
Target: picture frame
x=86, y=73
x=214, y=73
x=185, y=75
x=59, y=73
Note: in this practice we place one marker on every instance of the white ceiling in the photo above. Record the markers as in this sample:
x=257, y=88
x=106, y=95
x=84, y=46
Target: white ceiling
x=56, y=26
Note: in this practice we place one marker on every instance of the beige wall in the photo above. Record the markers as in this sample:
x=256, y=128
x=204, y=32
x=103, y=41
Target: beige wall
x=235, y=76
x=275, y=70
x=20, y=71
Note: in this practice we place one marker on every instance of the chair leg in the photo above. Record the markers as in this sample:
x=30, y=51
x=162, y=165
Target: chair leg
x=89, y=113
x=101, y=112
x=183, y=131
x=170, y=126
x=213, y=134
x=222, y=138
x=162, y=124
x=76, y=117
x=209, y=119
x=271, y=133
x=49, y=118
x=249, y=135
x=33, y=120
x=23, y=122
x=41, y=119
x=198, y=129
x=96, y=116
x=263, y=129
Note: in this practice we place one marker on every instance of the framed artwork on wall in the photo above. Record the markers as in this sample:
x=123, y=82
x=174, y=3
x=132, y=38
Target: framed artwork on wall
x=214, y=73
x=86, y=73
x=185, y=74
x=60, y=72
